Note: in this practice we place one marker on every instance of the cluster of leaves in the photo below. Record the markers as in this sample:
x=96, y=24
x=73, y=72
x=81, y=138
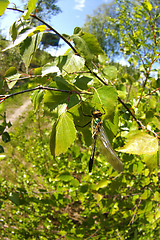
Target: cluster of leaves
x=49, y=199
x=111, y=205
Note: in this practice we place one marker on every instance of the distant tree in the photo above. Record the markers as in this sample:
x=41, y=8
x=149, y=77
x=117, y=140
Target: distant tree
x=97, y=25
x=46, y=8
x=106, y=23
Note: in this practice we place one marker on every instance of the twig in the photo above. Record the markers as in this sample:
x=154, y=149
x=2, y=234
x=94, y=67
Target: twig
x=49, y=26
x=157, y=89
x=3, y=97
x=93, y=234
x=136, y=209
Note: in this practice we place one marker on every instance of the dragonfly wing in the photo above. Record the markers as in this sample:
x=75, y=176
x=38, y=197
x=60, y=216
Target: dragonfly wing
x=112, y=157
x=92, y=155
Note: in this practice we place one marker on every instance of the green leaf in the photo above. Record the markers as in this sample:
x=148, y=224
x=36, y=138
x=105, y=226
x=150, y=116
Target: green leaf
x=12, y=80
x=20, y=39
x=5, y=137
x=30, y=7
x=157, y=215
x=80, y=121
x=87, y=45
x=157, y=196
x=74, y=63
x=110, y=72
x=140, y=143
x=146, y=194
x=3, y=4
x=102, y=184
x=63, y=134
x=106, y=96
x=98, y=197
x=151, y=161
x=38, y=29
x=14, y=197
x=82, y=82
x=28, y=47
x=53, y=98
x=11, y=77
x=65, y=176
x=147, y=5
x=36, y=98
x=2, y=127
x=49, y=68
x=11, y=71
x=13, y=31
x=156, y=122
x=1, y=149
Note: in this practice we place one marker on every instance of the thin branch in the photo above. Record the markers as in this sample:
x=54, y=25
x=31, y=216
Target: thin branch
x=154, y=35
x=49, y=26
x=93, y=234
x=136, y=210
x=3, y=97
x=146, y=79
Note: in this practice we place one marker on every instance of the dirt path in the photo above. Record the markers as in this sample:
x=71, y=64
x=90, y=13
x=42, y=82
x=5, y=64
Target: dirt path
x=19, y=111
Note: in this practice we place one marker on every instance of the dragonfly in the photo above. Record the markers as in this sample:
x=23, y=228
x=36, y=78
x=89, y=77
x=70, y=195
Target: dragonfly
x=99, y=132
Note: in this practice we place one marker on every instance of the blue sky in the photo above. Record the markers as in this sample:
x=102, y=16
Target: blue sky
x=73, y=14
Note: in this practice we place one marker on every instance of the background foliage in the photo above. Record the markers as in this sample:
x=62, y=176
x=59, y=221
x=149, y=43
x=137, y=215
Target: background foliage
x=47, y=192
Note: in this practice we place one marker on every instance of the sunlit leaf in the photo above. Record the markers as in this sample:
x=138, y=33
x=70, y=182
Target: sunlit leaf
x=87, y=45
x=30, y=6
x=28, y=46
x=20, y=39
x=157, y=196
x=110, y=72
x=49, y=68
x=40, y=28
x=74, y=63
x=63, y=134
x=146, y=194
x=140, y=143
x=106, y=96
x=98, y=197
x=151, y=161
x=156, y=122
x=11, y=77
x=147, y=5
x=102, y=184
x=3, y=4
x=157, y=215
x=11, y=71
x=2, y=156
x=12, y=80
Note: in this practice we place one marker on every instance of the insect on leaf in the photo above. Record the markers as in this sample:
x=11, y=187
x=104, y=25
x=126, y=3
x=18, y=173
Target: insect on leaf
x=106, y=96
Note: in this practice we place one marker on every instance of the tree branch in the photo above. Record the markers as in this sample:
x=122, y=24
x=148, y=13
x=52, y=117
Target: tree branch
x=75, y=51
x=3, y=97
